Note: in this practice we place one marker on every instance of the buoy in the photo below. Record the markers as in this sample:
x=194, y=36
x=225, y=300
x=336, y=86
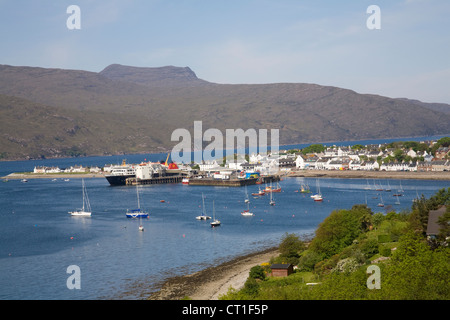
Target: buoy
x=71, y=238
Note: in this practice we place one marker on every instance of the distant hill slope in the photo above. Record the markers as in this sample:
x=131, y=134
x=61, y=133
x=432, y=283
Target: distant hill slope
x=168, y=76
x=130, y=109
x=29, y=130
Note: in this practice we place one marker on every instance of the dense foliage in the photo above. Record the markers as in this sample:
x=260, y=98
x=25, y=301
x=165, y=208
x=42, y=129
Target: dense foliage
x=347, y=242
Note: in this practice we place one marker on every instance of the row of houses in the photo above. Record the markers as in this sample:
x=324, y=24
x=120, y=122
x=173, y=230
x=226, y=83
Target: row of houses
x=71, y=169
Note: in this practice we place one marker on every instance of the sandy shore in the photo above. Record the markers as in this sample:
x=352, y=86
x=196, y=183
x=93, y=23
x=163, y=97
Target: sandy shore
x=347, y=174
x=210, y=283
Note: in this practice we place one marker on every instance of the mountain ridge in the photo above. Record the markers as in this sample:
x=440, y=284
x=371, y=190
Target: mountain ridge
x=147, y=104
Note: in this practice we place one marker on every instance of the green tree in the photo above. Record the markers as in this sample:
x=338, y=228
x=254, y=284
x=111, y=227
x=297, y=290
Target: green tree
x=290, y=248
x=339, y=229
x=314, y=148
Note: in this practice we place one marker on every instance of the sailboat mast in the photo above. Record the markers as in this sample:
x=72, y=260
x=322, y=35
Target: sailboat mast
x=137, y=193
x=84, y=192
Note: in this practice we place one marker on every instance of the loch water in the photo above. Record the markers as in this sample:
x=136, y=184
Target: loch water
x=39, y=240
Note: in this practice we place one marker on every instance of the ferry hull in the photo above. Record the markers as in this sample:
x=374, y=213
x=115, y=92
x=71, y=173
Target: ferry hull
x=118, y=180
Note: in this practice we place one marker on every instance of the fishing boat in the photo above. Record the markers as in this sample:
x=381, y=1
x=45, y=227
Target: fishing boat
x=85, y=211
x=305, y=189
x=271, y=189
x=247, y=213
x=259, y=193
x=203, y=216
x=215, y=222
x=137, y=213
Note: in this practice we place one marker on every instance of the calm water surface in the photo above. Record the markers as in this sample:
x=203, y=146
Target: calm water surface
x=39, y=239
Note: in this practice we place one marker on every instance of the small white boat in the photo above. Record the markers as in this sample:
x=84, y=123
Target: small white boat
x=272, y=200
x=247, y=213
x=141, y=228
x=318, y=196
x=85, y=211
x=215, y=222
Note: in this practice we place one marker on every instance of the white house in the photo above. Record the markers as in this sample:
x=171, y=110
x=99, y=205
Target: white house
x=370, y=165
x=39, y=169
x=354, y=165
x=208, y=165
x=300, y=162
x=411, y=153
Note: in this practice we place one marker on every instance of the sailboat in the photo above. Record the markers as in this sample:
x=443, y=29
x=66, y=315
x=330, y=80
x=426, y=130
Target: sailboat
x=318, y=195
x=247, y=213
x=246, y=196
x=137, y=213
x=399, y=191
x=215, y=222
x=381, y=204
x=388, y=189
x=203, y=216
x=379, y=188
x=86, y=209
x=272, y=200
x=417, y=197
x=397, y=201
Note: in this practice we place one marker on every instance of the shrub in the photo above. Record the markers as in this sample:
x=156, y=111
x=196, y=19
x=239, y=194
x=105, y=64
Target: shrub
x=369, y=247
x=383, y=238
x=251, y=287
x=257, y=272
x=385, y=251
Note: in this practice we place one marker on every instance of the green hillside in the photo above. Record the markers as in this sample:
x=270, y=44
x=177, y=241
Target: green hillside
x=334, y=266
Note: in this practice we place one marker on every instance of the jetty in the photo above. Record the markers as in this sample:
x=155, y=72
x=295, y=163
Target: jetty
x=155, y=180
x=232, y=182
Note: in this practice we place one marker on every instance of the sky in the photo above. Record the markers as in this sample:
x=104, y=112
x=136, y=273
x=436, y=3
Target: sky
x=244, y=41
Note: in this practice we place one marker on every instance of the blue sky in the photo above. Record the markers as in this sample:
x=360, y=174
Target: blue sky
x=244, y=41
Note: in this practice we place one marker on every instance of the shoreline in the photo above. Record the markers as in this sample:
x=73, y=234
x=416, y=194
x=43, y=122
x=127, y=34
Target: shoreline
x=19, y=176
x=350, y=174
x=210, y=283
x=345, y=174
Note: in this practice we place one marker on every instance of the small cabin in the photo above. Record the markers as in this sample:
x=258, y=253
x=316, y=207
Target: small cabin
x=282, y=269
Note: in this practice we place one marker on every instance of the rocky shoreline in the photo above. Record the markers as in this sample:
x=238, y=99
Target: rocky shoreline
x=210, y=283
